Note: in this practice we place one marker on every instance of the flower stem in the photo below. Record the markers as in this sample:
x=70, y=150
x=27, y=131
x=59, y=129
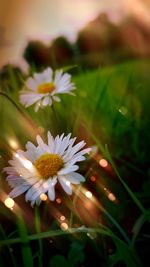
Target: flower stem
x=38, y=229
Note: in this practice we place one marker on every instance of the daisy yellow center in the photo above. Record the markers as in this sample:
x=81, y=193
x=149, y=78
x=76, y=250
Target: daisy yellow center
x=48, y=165
x=46, y=88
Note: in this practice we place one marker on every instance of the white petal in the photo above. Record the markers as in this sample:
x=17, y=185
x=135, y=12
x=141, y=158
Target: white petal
x=50, y=141
x=9, y=170
x=29, y=99
x=30, y=145
x=51, y=193
x=50, y=182
x=58, y=75
x=51, y=189
x=39, y=78
x=74, y=160
x=57, y=144
x=68, y=170
x=74, y=150
x=37, y=106
x=64, y=144
x=37, y=193
x=75, y=178
x=30, y=155
x=47, y=74
x=18, y=191
x=50, y=101
x=65, y=185
x=14, y=180
x=77, y=147
x=32, y=190
x=82, y=152
x=63, y=82
x=45, y=101
x=40, y=141
x=31, y=84
x=56, y=98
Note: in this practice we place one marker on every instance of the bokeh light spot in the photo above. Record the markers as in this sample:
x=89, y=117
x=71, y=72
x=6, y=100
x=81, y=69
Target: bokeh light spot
x=62, y=218
x=103, y=163
x=9, y=203
x=67, y=183
x=111, y=197
x=58, y=200
x=88, y=194
x=93, y=178
x=13, y=143
x=64, y=226
x=43, y=197
x=27, y=164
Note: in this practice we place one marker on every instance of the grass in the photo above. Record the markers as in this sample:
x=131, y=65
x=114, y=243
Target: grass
x=110, y=111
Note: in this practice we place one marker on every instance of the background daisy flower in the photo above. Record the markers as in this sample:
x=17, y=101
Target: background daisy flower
x=37, y=170
x=43, y=88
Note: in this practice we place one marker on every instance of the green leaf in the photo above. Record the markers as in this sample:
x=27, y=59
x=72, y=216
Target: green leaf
x=77, y=245
x=139, y=223
x=25, y=246
x=58, y=261
x=75, y=255
x=124, y=253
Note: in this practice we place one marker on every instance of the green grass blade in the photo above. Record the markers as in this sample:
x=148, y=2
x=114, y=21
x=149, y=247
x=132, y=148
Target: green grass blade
x=14, y=263
x=25, y=245
x=132, y=195
x=38, y=229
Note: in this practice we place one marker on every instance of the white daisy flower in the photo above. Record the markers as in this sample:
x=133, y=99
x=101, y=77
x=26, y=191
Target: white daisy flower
x=37, y=170
x=43, y=88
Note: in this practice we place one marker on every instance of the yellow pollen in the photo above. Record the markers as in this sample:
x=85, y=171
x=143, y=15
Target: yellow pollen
x=45, y=88
x=48, y=165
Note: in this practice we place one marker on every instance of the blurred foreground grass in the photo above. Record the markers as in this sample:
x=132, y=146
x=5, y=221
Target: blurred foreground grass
x=110, y=111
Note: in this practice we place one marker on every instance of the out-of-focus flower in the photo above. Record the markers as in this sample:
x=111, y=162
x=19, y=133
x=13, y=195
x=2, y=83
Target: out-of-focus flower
x=37, y=170
x=43, y=88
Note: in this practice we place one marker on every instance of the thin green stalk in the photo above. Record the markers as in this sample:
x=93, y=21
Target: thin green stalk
x=138, y=225
x=116, y=224
x=124, y=249
x=130, y=165
x=74, y=207
x=12, y=102
x=75, y=199
x=132, y=195
x=8, y=246
x=98, y=142
x=54, y=233
x=121, y=230
x=17, y=107
x=25, y=248
x=38, y=229
x=107, y=154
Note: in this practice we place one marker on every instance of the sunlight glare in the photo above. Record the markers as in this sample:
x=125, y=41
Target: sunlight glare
x=88, y=194
x=64, y=226
x=43, y=197
x=103, y=163
x=62, y=218
x=9, y=203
